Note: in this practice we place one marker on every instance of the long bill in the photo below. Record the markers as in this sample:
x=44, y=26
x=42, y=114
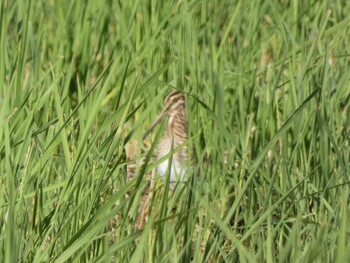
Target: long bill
x=159, y=118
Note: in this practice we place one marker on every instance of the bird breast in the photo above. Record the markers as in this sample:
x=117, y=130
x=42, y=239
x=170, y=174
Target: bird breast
x=178, y=169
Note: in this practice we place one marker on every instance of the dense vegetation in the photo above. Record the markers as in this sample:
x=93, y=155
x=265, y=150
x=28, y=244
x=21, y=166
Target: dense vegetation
x=267, y=88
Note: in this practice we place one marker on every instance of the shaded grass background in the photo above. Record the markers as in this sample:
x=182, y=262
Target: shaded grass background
x=268, y=92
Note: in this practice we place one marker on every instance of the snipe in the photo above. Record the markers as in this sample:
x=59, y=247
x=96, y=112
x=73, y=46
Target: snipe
x=175, y=136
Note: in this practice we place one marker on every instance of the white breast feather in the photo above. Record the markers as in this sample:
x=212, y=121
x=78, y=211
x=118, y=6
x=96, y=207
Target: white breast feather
x=177, y=173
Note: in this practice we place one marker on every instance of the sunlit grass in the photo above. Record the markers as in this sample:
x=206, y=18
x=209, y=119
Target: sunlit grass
x=267, y=92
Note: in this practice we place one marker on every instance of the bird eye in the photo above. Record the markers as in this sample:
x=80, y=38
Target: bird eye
x=175, y=100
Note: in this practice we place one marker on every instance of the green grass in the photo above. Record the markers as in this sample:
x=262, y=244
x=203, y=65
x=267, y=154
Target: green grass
x=268, y=93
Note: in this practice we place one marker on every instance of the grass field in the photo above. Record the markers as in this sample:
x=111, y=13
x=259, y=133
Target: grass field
x=267, y=89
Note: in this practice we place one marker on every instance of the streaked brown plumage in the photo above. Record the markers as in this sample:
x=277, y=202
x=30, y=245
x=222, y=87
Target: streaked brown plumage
x=176, y=136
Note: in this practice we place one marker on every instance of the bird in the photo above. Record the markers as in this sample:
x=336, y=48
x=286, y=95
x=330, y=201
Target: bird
x=175, y=136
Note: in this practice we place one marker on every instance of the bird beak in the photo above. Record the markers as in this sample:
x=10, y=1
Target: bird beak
x=159, y=118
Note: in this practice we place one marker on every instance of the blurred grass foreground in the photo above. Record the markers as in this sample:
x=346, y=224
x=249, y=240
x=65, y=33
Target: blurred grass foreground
x=267, y=90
